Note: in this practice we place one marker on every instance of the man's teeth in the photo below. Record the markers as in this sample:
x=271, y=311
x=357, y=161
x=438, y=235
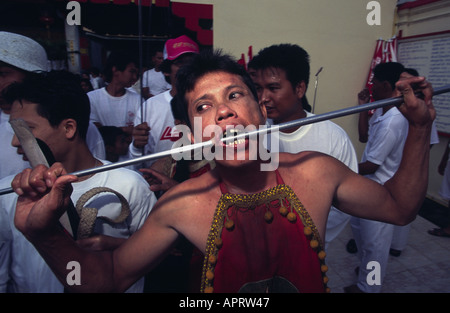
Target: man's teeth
x=232, y=133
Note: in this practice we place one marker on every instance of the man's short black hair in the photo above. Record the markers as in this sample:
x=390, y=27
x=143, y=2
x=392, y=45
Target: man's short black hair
x=204, y=63
x=389, y=72
x=59, y=96
x=293, y=59
x=120, y=60
x=412, y=71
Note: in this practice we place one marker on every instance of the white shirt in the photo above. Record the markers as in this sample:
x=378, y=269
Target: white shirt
x=325, y=137
x=114, y=111
x=387, y=136
x=155, y=81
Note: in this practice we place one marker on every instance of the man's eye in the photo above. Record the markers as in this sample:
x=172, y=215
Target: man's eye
x=202, y=107
x=235, y=95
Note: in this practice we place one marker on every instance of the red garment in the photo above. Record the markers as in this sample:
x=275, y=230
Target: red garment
x=251, y=254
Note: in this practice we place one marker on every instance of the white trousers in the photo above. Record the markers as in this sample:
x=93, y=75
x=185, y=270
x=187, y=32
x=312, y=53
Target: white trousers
x=373, y=240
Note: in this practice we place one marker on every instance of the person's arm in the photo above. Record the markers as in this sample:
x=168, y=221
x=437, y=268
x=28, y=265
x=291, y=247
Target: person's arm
x=100, y=242
x=363, y=120
x=400, y=198
x=157, y=180
x=367, y=168
x=43, y=196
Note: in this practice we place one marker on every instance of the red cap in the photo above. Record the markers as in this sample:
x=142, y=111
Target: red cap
x=178, y=46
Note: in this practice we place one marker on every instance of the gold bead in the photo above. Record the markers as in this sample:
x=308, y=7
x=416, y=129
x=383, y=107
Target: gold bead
x=210, y=275
x=292, y=217
x=321, y=255
x=209, y=289
x=229, y=224
x=324, y=268
x=325, y=279
x=284, y=211
x=307, y=231
x=218, y=242
x=212, y=259
x=268, y=217
x=314, y=244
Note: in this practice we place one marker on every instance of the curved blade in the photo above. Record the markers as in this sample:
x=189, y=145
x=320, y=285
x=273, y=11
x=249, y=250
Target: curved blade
x=28, y=142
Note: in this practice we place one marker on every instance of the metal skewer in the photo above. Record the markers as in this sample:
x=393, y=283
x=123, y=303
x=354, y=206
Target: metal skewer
x=282, y=126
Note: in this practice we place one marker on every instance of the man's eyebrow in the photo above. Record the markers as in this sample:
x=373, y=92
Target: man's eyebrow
x=209, y=96
x=204, y=97
x=233, y=86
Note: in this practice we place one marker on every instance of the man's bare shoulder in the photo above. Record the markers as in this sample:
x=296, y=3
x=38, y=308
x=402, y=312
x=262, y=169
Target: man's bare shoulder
x=308, y=163
x=302, y=158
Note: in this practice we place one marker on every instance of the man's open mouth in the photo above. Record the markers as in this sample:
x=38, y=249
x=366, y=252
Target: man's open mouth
x=230, y=139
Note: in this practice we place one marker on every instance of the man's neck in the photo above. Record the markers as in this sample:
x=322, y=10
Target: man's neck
x=115, y=89
x=246, y=179
x=298, y=115
x=78, y=159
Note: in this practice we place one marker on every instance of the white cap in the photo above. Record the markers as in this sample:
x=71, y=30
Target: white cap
x=22, y=52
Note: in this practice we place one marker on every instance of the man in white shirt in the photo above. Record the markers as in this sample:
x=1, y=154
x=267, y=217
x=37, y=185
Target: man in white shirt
x=117, y=104
x=400, y=236
x=153, y=80
x=380, y=161
x=281, y=79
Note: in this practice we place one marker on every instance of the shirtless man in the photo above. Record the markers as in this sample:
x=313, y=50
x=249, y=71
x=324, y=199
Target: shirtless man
x=213, y=88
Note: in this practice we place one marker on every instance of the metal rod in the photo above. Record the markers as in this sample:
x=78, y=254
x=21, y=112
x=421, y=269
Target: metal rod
x=315, y=89
x=141, y=65
x=282, y=126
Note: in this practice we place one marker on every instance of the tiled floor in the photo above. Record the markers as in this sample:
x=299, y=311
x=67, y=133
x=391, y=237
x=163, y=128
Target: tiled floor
x=423, y=267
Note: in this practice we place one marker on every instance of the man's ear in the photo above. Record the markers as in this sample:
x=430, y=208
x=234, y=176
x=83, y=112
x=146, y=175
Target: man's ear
x=70, y=128
x=300, y=89
x=387, y=86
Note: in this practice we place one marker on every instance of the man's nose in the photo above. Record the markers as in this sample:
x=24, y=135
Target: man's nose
x=224, y=112
x=263, y=97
